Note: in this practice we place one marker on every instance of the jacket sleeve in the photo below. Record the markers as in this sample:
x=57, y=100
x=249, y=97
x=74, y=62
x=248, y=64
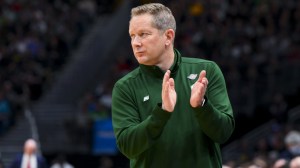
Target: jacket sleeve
x=133, y=135
x=216, y=116
x=42, y=162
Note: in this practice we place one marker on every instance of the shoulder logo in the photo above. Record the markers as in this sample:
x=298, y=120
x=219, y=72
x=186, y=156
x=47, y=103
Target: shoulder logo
x=146, y=98
x=192, y=76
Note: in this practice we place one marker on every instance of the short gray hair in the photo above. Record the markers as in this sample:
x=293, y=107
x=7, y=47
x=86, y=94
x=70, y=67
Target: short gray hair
x=163, y=18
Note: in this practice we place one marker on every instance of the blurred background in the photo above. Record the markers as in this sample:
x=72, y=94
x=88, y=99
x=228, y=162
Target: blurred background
x=59, y=60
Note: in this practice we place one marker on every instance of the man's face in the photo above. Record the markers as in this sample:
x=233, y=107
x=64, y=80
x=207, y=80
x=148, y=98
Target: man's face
x=148, y=43
x=30, y=150
x=30, y=147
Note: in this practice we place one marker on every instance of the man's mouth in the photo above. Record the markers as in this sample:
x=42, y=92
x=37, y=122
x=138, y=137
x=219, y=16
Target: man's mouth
x=139, y=52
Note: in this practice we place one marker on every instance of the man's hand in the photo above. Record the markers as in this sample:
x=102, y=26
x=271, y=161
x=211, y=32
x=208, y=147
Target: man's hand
x=168, y=93
x=198, y=90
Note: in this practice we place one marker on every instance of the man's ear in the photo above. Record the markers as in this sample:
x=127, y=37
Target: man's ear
x=170, y=34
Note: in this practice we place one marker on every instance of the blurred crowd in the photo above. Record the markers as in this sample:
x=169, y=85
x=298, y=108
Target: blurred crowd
x=274, y=150
x=37, y=37
x=253, y=41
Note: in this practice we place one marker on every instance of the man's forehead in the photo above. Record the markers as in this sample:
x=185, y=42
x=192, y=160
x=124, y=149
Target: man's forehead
x=141, y=18
x=140, y=22
x=30, y=143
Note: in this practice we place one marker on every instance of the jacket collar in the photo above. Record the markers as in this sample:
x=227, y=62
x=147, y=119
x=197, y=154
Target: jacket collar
x=159, y=73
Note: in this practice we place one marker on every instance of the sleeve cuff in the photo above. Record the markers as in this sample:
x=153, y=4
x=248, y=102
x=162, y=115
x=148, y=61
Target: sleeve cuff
x=157, y=121
x=205, y=109
x=161, y=115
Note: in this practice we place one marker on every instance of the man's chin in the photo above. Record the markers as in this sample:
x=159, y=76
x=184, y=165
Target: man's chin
x=142, y=61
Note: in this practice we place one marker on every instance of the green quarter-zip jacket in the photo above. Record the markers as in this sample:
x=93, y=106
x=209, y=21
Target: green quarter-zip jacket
x=185, y=138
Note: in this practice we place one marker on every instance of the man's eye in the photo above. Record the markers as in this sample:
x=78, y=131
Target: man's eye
x=144, y=34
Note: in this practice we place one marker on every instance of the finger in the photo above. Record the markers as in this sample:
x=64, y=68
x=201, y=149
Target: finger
x=166, y=84
x=164, y=93
x=204, y=81
x=202, y=75
x=166, y=89
x=166, y=77
x=171, y=83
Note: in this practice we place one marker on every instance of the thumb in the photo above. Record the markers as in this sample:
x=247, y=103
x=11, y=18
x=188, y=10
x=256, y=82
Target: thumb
x=202, y=75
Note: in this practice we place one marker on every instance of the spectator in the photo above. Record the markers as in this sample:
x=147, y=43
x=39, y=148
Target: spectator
x=292, y=142
x=29, y=158
x=61, y=162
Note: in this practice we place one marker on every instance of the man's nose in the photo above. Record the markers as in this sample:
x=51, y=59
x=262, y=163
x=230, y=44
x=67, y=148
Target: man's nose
x=136, y=41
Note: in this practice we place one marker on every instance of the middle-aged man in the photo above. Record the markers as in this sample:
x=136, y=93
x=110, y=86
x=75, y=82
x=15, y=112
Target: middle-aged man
x=171, y=111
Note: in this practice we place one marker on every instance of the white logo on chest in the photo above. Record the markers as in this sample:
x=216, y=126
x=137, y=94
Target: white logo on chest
x=146, y=98
x=192, y=76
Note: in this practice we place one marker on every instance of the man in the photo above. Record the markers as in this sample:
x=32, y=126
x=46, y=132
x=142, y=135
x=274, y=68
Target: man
x=164, y=113
x=29, y=158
